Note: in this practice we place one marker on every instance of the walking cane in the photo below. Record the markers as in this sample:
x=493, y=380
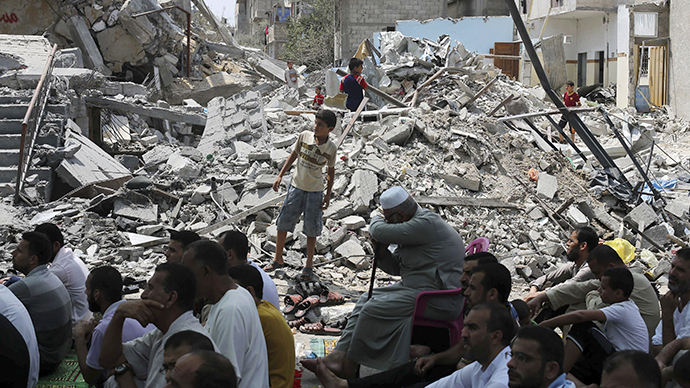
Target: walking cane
x=373, y=277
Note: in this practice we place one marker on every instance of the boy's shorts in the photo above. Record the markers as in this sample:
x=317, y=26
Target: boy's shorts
x=298, y=202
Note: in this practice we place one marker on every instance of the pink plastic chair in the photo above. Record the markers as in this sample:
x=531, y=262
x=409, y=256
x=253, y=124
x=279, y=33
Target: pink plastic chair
x=454, y=327
x=478, y=245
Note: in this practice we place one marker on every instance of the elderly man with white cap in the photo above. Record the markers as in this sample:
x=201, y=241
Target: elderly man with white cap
x=429, y=256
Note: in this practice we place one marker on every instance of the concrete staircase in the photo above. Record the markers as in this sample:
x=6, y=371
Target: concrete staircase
x=12, y=111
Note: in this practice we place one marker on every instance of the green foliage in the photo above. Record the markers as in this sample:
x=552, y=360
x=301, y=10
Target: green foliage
x=310, y=35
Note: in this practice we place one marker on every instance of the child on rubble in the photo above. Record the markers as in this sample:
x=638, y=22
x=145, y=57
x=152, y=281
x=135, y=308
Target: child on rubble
x=354, y=84
x=318, y=99
x=571, y=99
x=305, y=194
x=291, y=75
x=587, y=344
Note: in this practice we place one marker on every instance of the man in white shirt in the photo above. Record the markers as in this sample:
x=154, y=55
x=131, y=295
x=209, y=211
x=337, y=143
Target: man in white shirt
x=167, y=302
x=13, y=309
x=675, y=317
x=71, y=271
x=233, y=321
x=236, y=245
x=536, y=360
x=489, y=328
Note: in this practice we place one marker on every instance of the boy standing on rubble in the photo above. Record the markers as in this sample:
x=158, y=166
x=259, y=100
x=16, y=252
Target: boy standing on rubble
x=305, y=195
x=291, y=75
x=354, y=84
x=571, y=99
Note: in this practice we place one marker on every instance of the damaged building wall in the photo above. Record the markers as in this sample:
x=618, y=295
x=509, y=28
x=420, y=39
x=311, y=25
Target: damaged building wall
x=27, y=17
x=680, y=58
x=359, y=19
x=484, y=31
x=460, y=8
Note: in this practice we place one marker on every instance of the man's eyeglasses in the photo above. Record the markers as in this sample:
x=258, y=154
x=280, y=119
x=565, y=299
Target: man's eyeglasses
x=521, y=358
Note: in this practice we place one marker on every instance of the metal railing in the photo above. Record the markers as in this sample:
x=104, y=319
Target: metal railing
x=31, y=123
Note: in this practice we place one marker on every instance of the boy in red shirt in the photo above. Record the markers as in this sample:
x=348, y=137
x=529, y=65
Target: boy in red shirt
x=354, y=84
x=570, y=99
x=318, y=99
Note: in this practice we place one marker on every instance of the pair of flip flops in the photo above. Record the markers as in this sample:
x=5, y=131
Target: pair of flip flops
x=319, y=328
x=295, y=304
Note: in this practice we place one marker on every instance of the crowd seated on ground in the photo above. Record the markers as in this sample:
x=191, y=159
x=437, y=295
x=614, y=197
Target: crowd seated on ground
x=616, y=331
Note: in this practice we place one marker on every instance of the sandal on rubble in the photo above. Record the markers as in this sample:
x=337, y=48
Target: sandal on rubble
x=274, y=266
x=297, y=323
x=318, y=328
x=334, y=298
x=307, y=274
x=305, y=305
x=291, y=302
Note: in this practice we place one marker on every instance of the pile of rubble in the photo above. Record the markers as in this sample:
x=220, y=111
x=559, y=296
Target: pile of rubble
x=447, y=136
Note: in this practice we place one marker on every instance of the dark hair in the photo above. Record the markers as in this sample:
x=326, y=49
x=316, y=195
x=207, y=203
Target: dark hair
x=683, y=253
x=39, y=245
x=500, y=319
x=318, y=87
x=681, y=369
x=246, y=276
x=604, y=255
x=620, y=278
x=327, y=116
x=52, y=232
x=550, y=344
x=521, y=308
x=588, y=235
x=354, y=62
x=237, y=241
x=215, y=371
x=496, y=276
x=107, y=280
x=482, y=258
x=179, y=278
x=570, y=83
x=210, y=254
x=646, y=367
x=193, y=339
x=184, y=237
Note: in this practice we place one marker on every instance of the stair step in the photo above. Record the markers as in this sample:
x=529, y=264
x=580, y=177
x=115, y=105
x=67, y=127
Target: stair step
x=14, y=99
x=14, y=126
x=13, y=141
x=7, y=174
x=18, y=111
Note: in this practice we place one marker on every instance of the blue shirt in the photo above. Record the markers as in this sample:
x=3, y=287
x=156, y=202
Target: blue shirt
x=354, y=87
x=561, y=382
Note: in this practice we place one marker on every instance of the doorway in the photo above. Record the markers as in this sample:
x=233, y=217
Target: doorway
x=581, y=69
x=601, y=62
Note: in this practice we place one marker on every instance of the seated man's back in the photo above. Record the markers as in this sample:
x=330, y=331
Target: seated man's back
x=45, y=298
x=13, y=310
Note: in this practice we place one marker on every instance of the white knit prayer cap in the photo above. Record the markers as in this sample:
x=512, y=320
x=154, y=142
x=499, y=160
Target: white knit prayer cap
x=393, y=197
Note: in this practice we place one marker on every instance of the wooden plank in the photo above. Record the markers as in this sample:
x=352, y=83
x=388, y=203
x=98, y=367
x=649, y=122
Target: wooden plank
x=155, y=112
x=359, y=110
x=484, y=89
x=378, y=92
x=466, y=201
x=499, y=106
x=243, y=214
x=544, y=113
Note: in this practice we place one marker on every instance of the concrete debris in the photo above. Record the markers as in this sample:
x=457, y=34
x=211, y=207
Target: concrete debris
x=202, y=152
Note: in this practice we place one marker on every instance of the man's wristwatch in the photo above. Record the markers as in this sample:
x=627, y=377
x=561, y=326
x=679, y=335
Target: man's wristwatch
x=121, y=369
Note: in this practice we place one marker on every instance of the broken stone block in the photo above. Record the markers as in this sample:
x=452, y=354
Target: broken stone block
x=643, y=214
x=547, y=185
x=467, y=177
x=272, y=234
x=536, y=214
x=397, y=130
x=148, y=229
x=353, y=222
x=279, y=157
x=662, y=268
x=183, y=167
x=338, y=209
x=129, y=161
x=228, y=193
x=679, y=207
x=148, y=141
x=353, y=253
x=373, y=163
x=130, y=253
x=365, y=187
x=119, y=46
x=284, y=141
x=657, y=234
x=145, y=213
x=256, y=197
x=265, y=180
x=576, y=217
x=200, y=194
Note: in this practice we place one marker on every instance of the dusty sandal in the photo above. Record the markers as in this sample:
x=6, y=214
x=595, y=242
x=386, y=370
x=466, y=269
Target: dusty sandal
x=274, y=266
x=291, y=302
x=318, y=328
x=307, y=273
x=306, y=305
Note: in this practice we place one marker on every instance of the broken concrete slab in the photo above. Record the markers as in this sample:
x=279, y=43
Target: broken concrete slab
x=396, y=130
x=657, y=234
x=679, y=207
x=576, y=217
x=183, y=166
x=203, y=91
x=145, y=213
x=643, y=214
x=81, y=35
x=467, y=177
x=118, y=47
x=142, y=240
x=157, y=155
x=353, y=222
x=338, y=209
x=366, y=185
x=255, y=197
x=90, y=164
x=353, y=252
x=547, y=185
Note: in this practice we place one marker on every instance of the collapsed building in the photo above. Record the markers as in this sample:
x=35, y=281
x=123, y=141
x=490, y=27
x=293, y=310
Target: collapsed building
x=113, y=141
